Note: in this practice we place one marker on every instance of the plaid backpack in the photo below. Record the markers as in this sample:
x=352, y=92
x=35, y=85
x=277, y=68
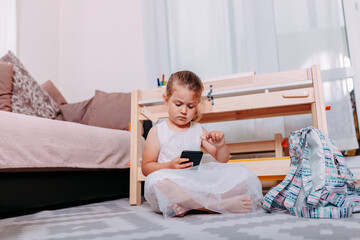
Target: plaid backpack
x=318, y=184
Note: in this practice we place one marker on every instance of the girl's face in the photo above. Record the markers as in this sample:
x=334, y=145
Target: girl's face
x=182, y=105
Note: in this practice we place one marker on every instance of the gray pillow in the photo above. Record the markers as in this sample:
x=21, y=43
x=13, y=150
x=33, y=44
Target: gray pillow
x=27, y=95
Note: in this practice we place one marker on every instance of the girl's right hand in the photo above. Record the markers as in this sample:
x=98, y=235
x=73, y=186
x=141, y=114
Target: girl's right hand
x=177, y=163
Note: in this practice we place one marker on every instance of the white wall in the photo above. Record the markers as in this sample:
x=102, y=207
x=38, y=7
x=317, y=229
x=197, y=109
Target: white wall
x=101, y=46
x=83, y=45
x=38, y=38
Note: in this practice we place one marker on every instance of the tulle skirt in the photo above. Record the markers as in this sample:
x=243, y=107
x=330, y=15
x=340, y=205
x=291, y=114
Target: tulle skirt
x=210, y=185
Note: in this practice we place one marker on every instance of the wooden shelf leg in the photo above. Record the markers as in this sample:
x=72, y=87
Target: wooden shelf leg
x=318, y=107
x=279, y=151
x=135, y=150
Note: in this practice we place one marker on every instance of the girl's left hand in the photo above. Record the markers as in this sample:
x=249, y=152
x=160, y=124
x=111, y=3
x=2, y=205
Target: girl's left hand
x=215, y=138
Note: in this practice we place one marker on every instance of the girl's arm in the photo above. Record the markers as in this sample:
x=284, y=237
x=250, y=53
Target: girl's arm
x=149, y=162
x=214, y=143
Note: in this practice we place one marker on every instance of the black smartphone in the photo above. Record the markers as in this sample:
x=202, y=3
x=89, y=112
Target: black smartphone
x=193, y=156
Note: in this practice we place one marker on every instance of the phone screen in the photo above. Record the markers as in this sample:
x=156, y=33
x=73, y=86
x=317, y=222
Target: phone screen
x=193, y=156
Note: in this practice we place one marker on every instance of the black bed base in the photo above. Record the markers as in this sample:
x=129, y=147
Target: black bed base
x=25, y=192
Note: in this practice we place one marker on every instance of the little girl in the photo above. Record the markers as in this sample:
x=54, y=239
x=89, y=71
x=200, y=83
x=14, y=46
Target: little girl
x=174, y=187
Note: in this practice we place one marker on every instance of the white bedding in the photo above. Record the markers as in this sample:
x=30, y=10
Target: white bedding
x=33, y=142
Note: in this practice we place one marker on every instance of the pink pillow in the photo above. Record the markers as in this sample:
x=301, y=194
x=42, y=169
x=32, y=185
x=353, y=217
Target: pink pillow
x=51, y=89
x=76, y=112
x=110, y=110
x=6, y=72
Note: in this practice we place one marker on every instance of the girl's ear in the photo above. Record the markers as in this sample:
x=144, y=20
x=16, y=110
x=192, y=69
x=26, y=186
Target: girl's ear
x=166, y=100
x=199, y=111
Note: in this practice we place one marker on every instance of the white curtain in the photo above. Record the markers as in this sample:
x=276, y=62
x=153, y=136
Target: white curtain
x=7, y=26
x=313, y=32
x=186, y=21
x=178, y=37
x=220, y=37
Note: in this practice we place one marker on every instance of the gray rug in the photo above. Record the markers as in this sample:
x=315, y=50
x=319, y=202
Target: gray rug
x=117, y=220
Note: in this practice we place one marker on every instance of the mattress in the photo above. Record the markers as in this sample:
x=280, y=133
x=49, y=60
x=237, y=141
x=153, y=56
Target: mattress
x=28, y=142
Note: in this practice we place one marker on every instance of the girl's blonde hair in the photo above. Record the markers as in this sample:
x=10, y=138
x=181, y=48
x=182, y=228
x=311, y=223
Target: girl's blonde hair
x=188, y=80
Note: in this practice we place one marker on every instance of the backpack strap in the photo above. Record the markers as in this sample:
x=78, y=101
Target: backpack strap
x=322, y=212
x=274, y=199
x=296, y=184
x=354, y=194
x=294, y=189
x=312, y=195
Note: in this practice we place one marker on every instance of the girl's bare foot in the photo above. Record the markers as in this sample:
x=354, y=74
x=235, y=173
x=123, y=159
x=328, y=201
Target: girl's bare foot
x=238, y=204
x=179, y=210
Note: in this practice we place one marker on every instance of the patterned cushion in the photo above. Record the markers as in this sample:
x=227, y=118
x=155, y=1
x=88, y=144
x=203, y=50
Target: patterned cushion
x=27, y=95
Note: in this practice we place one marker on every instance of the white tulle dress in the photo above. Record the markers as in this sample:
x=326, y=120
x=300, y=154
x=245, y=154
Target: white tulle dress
x=208, y=184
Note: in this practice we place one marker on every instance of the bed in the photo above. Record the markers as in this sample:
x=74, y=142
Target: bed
x=55, y=153
x=45, y=162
